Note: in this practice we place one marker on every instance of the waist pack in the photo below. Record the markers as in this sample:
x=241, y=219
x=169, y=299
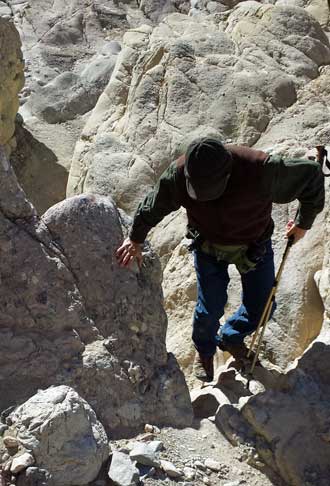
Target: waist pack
x=244, y=257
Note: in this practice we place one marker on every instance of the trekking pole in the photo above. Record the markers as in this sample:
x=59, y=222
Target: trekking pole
x=268, y=307
x=322, y=159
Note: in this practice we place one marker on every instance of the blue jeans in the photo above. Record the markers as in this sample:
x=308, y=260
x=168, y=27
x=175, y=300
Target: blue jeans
x=212, y=283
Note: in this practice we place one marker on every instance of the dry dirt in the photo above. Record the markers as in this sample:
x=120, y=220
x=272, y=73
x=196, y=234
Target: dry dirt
x=197, y=443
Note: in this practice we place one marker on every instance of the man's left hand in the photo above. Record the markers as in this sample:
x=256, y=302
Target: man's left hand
x=295, y=231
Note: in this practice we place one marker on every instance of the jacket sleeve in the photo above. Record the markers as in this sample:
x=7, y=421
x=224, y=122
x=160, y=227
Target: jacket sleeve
x=156, y=205
x=300, y=179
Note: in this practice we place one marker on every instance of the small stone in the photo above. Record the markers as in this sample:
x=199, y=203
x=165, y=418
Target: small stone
x=21, y=462
x=189, y=473
x=256, y=387
x=206, y=480
x=170, y=469
x=144, y=454
x=148, y=428
x=199, y=465
x=10, y=442
x=5, y=457
x=213, y=465
x=123, y=471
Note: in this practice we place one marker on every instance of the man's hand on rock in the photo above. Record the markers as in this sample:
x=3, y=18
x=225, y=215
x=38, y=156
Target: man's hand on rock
x=295, y=231
x=128, y=251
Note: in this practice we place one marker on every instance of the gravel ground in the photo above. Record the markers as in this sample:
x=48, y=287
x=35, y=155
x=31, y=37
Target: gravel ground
x=184, y=448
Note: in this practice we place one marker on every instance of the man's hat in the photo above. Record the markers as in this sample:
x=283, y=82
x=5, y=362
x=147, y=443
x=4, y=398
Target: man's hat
x=207, y=169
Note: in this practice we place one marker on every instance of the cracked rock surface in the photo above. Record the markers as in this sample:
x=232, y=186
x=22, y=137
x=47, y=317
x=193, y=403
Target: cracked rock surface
x=66, y=303
x=192, y=76
x=247, y=75
x=63, y=434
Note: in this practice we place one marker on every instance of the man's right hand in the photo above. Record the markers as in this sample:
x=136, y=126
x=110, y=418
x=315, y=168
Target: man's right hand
x=128, y=251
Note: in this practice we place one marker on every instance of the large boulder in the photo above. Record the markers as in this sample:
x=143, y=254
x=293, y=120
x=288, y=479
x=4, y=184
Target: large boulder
x=66, y=302
x=189, y=76
x=63, y=434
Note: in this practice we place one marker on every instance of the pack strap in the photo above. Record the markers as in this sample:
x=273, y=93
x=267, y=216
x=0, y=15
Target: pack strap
x=322, y=158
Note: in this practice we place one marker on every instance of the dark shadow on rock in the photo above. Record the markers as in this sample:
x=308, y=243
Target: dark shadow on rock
x=37, y=169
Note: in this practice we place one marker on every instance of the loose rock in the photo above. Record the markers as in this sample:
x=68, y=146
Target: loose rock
x=189, y=473
x=62, y=431
x=213, y=465
x=144, y=454
x=123, y=471
x=170, y=469
x=22, y=462
x=199, y=465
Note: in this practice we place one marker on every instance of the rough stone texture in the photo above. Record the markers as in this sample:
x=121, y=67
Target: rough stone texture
x=69, y=94
x=144, y=454
x=11, y=78
x=66, y=303
x=64, y=435
x=232, y=74
x=192, y=76
x=123, y=472
x=299, y=313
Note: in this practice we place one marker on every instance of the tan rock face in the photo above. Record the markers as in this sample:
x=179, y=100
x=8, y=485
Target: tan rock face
x=193, y=76
x=11, y=78
x=247, y=77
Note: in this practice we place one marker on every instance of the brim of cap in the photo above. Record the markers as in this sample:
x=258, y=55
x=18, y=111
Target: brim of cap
x=208, y=193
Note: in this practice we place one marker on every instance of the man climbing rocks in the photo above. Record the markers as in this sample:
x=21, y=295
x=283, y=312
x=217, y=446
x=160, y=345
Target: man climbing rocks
x=228, y=191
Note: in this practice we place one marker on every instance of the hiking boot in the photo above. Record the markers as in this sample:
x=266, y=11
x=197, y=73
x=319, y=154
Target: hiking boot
x=203, y=367
x=238, y=351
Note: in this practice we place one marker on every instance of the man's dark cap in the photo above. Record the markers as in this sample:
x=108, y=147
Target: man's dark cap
x=207, y=169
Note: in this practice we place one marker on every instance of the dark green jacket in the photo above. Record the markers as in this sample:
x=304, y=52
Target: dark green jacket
x=242, y=214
